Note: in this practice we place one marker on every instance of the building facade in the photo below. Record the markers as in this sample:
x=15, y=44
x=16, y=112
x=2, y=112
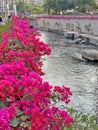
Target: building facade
x=96, y=1
x=3, y=5
x=36, y=2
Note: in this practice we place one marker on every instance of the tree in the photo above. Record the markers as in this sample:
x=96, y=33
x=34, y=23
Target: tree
x=49, y=5
x=21, y=7
x=25, y=8
x=86, y=3
x=56, y=6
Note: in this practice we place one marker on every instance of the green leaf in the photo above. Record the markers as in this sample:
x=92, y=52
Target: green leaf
x=8, y=100
x=17, y=43
x=84, y=118
x=15, y=122
x=24, y=124
x=2, y=104
x=28, y=97
x=19, y=112
x=96, y=127
x=24, y=118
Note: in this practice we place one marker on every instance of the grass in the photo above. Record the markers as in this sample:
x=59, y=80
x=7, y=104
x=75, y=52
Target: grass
x=4, y=28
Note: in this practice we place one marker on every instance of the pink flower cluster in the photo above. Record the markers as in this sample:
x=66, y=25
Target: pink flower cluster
x=28, y=101
x=4, y=120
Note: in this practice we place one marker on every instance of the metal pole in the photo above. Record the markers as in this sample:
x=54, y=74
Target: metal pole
x=3, y=6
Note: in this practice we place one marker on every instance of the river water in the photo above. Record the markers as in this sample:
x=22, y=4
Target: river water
x=66, y=66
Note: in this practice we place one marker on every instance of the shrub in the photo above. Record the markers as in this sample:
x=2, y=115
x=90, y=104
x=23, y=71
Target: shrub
x=26, y=101
x=82, y=121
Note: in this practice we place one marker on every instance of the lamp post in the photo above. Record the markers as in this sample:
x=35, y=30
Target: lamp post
x=8, y=9
x=3, y=6
x=56, y=7
x=15, y=10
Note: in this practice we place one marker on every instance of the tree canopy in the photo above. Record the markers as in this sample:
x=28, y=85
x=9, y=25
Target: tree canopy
x=58, y=6
x=23, y=7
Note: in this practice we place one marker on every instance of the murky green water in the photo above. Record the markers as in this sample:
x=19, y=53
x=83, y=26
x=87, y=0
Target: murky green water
x=66, y=67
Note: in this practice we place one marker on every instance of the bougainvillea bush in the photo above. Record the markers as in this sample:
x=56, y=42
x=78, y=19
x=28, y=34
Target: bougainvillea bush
x=26, y=101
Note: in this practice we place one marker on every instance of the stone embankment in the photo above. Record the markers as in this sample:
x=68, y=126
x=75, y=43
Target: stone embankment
x=79, y=37
x=82, y=29
x=33, y=23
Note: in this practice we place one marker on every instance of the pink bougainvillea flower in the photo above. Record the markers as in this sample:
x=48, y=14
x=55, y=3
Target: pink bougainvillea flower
x=28, y=102
x=4, y=120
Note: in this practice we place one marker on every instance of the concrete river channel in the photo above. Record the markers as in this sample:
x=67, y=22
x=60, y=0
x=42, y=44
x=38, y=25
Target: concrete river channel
x=66, y=66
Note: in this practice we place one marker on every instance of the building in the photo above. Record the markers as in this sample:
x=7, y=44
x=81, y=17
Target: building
x=30, y=1
x=96, y=1
x=36, y=2
x=16, y=1
x=3, y=5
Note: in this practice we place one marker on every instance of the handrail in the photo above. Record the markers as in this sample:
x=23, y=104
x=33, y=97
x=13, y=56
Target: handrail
x=67, y=17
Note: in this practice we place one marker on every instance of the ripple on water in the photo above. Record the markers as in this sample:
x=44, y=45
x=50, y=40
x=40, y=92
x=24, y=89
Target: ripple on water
x=66, y=67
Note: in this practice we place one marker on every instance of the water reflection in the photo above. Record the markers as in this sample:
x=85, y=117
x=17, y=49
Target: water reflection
x=66, y=67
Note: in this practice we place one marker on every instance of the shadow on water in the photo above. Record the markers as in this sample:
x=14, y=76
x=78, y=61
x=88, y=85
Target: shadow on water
x=67, y=67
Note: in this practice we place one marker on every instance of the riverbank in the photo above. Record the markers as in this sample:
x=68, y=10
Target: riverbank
x=86, y=27
x=87, y=38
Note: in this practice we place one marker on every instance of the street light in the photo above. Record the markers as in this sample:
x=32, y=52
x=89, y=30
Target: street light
x=15, y=10
x=8, y=9
x=3, y=6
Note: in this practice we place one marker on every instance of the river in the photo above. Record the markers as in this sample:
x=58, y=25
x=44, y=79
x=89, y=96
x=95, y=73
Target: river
x=66, y=66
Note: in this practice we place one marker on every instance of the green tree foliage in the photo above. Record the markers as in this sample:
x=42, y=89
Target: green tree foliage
x=57, y=6
x=84, y=4
x=23, y=7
